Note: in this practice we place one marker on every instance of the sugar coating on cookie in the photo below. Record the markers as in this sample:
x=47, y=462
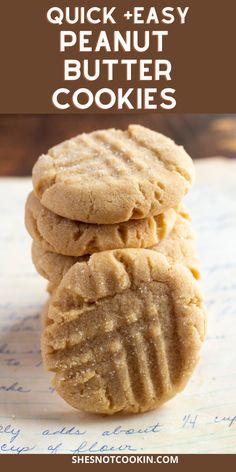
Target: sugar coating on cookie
x=74, y=238
x=111, y=176
x=125, y=331
x=179, y=246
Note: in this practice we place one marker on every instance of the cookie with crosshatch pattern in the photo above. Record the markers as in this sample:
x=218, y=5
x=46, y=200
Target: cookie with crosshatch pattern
x=111, y=176
x=125, y=331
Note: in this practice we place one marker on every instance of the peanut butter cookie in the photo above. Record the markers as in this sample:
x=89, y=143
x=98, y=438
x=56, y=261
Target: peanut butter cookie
x=179, y=246
x=111, y=176
x=74, y=238
x=125, y=331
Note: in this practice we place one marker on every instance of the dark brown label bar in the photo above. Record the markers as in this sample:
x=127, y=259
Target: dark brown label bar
x=175, y=462
x=109, y=57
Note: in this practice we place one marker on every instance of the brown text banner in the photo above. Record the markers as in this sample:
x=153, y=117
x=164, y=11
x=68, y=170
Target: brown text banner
x=105, y=57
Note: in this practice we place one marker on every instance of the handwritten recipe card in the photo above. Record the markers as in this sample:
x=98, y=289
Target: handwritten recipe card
x=202, y=419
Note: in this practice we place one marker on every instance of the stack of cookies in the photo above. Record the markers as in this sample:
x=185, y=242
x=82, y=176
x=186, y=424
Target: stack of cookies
x=125, y=319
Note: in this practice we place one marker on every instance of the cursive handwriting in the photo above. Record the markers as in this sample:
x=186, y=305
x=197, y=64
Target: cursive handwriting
x=227, y=419
x=95, y=447
x=156, y=428
x=54, y=449
x=14, y=387
x=72, y=431
x=10, y=430
x=17, y=449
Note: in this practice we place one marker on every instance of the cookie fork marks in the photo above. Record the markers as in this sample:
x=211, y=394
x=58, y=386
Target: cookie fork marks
x=139, y=331
x=120, y=182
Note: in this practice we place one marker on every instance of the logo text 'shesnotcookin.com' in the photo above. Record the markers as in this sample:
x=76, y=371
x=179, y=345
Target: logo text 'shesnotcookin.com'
x=114, y=58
